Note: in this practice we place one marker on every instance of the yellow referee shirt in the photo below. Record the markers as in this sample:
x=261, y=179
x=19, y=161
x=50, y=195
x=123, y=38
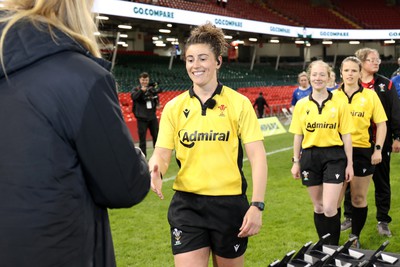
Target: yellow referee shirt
x=365, y=106
x=321, y=126
x=208, y=141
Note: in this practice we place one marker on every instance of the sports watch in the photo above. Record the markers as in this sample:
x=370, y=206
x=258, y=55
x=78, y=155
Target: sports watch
x=259, y=205
x=295, y=160
x=378, y=147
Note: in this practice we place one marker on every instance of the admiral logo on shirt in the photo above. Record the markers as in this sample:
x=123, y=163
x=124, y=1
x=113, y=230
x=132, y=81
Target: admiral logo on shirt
x=188, y=139
x=357, y=113
x=319, y=125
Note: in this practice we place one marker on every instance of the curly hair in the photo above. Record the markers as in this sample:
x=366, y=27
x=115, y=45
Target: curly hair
x=208, y=34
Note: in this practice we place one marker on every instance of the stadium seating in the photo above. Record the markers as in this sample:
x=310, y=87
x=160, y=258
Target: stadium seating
x=310, y=16
x=371, y=14
x=337, y=14
x=278, y=97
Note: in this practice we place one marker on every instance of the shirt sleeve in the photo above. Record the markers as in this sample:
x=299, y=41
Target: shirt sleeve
x=249, y=127
x=167, y=127
x=295, y=124
x=115, y=172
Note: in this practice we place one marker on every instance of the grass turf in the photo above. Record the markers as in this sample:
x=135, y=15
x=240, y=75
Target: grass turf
x=141, y=234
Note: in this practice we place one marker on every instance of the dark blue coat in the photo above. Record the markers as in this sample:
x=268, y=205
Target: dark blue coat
x=66, y=154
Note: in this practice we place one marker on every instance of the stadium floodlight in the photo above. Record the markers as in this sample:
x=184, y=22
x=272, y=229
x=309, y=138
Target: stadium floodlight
x=127, y=27
x=97, y=33
x=164, y=31
x=354, y=42
x=274, y=41
x=154, y=38
x=123, y=35
x=299, y=42
x=390, y=41
x=326, y=42
x=169, y=25
x=253, y=39
x=161, y=44
x=228, y=37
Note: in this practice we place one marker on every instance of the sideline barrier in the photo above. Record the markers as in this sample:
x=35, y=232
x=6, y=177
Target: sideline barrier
x=271, y=126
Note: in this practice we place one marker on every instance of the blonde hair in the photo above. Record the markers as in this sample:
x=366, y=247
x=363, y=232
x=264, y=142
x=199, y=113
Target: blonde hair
x=301, y=74
x=363, y=53
x=319, y=62
x=73, y=17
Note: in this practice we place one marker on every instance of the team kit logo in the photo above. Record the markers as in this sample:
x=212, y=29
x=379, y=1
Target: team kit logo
x=312, y=126
x=189, y=138
x=222, y=109
x=320, y=125
x=177, y=236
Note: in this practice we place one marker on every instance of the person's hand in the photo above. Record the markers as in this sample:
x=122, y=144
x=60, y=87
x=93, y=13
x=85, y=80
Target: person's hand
x=156, y=181
x=252, y=222
x=396, y=146
x=296, y=171
x=349, y=173
x=376, y=157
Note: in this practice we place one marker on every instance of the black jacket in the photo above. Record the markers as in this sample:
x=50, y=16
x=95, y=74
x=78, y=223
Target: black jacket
x=140, y=99
x=388, y=95
x=66, y=154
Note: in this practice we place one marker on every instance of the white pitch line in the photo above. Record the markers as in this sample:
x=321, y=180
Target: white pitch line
x=245, y=159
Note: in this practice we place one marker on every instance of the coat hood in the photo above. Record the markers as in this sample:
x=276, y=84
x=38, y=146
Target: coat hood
x=31, y=44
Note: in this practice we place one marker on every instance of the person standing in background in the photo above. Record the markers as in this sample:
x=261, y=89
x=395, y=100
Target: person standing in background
x=397, y=71
x=145, y=103
x=260, y=103
x=208, y=125
x=322, y=149
x=303, y=90
x=66, y=153
x=365, y=108
x=332, y=85
x=387, y=94
x=396, y=81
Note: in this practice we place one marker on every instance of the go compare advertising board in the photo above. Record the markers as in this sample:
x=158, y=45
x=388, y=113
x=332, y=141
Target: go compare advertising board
x=171, y=15
x=271, y=126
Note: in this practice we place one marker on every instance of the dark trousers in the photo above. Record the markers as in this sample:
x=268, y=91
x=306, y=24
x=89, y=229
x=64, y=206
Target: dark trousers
x=143, y=125
x=381, y=180
x=260, y=112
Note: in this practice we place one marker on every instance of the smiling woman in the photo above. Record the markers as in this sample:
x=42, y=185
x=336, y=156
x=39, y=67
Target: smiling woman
x=207, y=125
x=322, y=152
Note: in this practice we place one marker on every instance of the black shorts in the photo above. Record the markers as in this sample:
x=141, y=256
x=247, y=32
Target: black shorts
x=198, y=221
x=362, y=161
x=320, y=165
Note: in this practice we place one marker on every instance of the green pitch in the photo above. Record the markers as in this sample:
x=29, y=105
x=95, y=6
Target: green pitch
x=141, y=233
